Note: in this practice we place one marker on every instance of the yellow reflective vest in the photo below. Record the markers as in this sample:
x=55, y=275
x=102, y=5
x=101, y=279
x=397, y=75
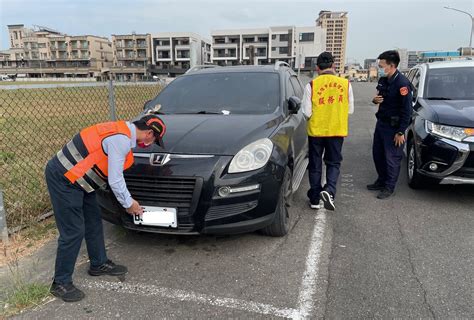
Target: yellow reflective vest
x=330, y=107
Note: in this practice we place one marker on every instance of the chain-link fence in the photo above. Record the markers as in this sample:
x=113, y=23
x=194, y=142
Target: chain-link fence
x=35, y=122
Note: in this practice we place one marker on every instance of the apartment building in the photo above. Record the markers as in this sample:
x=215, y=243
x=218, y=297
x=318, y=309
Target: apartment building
x=44, y=52
x=335, y=24
x=175, y=52
x=132, y=56
x=232, y=47
x=294, y=45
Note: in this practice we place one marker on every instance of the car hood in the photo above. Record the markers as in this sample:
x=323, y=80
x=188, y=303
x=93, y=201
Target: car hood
x=459, y=113
x=213, y=134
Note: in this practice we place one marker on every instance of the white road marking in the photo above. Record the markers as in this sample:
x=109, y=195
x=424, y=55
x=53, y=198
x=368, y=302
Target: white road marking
x=182, y=295
x=308, y=283
x=305, y=298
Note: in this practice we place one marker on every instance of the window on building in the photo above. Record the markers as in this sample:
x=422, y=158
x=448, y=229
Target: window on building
x=283, y=37
x=274, y=36
x=283, y=50
x=307, y=36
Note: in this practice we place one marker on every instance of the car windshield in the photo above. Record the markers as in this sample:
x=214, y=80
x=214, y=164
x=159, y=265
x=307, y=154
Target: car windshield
x=221, y=93
x=450, y=84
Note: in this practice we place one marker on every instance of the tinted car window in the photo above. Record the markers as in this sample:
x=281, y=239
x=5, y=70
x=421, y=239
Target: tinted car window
x=410, y=75
x=297, y=87
x=450, y=83
x=290, y=92
x=235, y=92
x=416, y=82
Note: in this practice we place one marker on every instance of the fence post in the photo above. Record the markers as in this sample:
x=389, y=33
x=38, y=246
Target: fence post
x=3, y=223
x=113, y=111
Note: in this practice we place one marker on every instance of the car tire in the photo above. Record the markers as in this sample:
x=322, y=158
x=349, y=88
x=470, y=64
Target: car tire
x=415, y=179
x=281, y=223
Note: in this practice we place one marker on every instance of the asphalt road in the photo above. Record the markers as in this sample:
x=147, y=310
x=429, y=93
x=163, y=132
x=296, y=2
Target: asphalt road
x=409, y=256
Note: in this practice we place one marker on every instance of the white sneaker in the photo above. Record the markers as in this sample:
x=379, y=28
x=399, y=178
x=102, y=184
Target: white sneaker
x=315, y=206
x=328, y=200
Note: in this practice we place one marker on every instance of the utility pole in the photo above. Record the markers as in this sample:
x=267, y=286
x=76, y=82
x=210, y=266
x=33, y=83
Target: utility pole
x=252, y=54
x=472, y=25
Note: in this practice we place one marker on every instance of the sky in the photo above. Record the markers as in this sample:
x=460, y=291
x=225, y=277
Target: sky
x=374, y=26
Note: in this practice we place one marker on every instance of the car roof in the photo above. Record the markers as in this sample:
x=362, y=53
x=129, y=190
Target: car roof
x=247, y=68
x=450, y=64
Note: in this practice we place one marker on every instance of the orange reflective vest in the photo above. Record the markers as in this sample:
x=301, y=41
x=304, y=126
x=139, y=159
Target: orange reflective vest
x=330, y=107
x=85, y=161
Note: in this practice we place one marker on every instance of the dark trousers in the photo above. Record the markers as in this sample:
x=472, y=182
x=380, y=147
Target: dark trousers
x=77, y=217
x=331, y=148
x=387, y=157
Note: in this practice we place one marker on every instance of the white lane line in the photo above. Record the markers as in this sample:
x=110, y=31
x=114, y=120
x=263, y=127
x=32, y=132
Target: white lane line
x=182, y=295
x=308, y=283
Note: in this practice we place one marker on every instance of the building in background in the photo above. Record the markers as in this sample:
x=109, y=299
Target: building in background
x=44, y=52
x=298, y=46
x=433, y=56
x=232, y=47
x=370, y=63
x=175, y=52
x=132, y=56
x=335, y=24
x=403, y=65
x=466, y=52
x=413, y=58
x=310, y=42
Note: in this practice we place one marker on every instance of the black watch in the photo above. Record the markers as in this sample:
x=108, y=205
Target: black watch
x=400, y=133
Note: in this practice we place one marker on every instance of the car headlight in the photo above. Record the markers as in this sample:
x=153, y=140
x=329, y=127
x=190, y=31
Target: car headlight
x=453, y=133
x=252, y=157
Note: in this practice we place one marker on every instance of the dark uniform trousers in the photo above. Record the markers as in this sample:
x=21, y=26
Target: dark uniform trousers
x=387, y=157
x=77, y=217
x=331, y=147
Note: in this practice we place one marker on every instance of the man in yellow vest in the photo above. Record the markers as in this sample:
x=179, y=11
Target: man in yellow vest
x=327, y=103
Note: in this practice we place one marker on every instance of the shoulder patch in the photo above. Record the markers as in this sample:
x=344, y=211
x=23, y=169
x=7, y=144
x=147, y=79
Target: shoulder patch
x=403, y=91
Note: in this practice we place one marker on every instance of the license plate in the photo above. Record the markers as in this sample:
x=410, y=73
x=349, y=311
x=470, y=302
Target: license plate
x=157, y=216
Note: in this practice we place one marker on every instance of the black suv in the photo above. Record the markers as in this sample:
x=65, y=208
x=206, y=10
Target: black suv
x=440, y=146
x=235, y=151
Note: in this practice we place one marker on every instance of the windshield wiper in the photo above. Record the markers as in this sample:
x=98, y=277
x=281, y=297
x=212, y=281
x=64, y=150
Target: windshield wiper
x=438, y=98
x=199, y=112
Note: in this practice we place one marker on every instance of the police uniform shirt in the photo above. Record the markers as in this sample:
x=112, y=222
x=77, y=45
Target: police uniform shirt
x=397, y=100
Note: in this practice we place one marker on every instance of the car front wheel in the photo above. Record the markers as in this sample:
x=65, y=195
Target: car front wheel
x=415, y=179
x=281, y=223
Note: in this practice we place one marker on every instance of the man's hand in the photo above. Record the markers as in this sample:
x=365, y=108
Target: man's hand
x=378, y=99
x=135, y=208
x=399, y=139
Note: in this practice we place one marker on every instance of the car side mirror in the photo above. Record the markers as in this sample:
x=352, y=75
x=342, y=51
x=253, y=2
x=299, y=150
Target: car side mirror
x=294, y=104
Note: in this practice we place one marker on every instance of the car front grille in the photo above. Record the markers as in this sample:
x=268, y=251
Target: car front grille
x=222, y=211
x=470, y=161
x=173, y=192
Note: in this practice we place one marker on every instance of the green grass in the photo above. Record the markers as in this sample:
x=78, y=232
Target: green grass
x=23, y=297
x=36, y=123
x=10, y=83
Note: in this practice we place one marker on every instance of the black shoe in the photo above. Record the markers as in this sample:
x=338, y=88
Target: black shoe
x=328, y=200
x=315, y=205
x=376, y=186
x=384, y=194
x=67, y=292
x=109, y=268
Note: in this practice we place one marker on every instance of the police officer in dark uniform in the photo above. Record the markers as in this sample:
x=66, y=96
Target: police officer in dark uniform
x=394, y=97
